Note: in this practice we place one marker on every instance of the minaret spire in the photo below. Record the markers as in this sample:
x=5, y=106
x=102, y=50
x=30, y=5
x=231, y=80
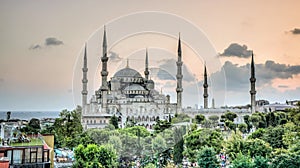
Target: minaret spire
x=179, y=77
x=146, y=72
x=84, y=79
x=104, y=73
x=252, y=81
x=205, y=86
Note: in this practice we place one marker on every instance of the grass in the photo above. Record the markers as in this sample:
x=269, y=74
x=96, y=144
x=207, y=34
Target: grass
x=33, y=142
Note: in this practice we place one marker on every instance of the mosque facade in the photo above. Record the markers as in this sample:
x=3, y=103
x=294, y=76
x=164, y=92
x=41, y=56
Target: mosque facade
x=128, y=95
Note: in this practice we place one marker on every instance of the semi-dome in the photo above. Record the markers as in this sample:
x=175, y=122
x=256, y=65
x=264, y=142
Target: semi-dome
x=127, y=72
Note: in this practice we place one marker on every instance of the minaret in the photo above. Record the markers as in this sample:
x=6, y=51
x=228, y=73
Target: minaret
x=179, y=76
x=84, y=91
x=213, y=103
x=205, y=86
x=104, y=73
x=252, y=91
x=146, y=72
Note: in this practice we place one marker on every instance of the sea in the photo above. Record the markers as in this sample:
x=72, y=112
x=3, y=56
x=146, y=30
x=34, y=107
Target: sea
x=27, y=115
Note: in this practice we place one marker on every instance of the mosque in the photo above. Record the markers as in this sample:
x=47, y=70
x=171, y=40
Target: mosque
x=133, y=98
x=128, y=95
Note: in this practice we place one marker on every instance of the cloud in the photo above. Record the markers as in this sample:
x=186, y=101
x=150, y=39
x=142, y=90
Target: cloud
x=2, y=80
x=283, y=86
x=237, y=77
x=170, y=66
x=161, y=74
x=52, y=41
x=236, y=50
x=296, y=31
x=34, y=47
x=114, y=56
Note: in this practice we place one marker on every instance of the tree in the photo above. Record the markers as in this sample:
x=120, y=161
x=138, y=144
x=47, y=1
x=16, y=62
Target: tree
x=246, y=119
x=116, y=142
x=291, y=134
x=135, y=130
x=252, y=147
x=274, y=136
x=259, y=133
x=231, y=125
x=290, y=160
x=150, y=165
x=179, y=144
x=34, y=123
x=32, y=127
x=199, y=118
x=230, y=116
x=95, y=156
x=68, y=129
x=161, y=125
x=256, y=147
x=243, y=127
x=159, y=144
x=207, y=158
x=242, y=161
x=207, y=123
x=200, y=138
x=8, y=115
x=260, y=162
x=214, y=119
x=255, y=119
x=182, y=117
x=114, y=121
x=234, y=145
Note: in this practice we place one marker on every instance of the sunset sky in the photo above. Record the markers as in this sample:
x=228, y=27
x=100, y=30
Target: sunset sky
x=42, y=48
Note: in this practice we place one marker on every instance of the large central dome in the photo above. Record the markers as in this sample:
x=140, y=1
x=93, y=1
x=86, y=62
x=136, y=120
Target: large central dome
x=127, y=72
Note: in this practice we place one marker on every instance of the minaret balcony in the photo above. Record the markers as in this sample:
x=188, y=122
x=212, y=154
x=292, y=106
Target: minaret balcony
x=179, y=63
x=179, y=76
x=252, y=79
x=179, y=90
x=104, y=59
x=104, y=73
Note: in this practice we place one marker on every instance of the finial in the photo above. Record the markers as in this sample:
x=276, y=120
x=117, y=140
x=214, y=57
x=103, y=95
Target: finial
x=252, y=66
x=104, y=37
x=146, y=61
x=127, y=64
x=179, y=45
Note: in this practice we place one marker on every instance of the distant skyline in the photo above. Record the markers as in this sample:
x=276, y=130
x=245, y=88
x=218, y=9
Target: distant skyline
x=42, y=42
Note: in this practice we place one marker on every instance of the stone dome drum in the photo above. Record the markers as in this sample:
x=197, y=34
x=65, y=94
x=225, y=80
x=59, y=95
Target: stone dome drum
x=134, y=87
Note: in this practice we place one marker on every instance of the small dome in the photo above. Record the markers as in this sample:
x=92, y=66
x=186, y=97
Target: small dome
x=134, y=87
x=114, y=80
x=127, y=72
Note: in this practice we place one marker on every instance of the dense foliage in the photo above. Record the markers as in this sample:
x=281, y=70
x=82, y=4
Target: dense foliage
x=265, y=140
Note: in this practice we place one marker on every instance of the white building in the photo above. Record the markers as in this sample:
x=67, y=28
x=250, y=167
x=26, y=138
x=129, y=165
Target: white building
x=128, y=95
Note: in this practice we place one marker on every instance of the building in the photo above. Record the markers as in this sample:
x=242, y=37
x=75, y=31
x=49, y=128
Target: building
x=26, y=154
x=128, y=95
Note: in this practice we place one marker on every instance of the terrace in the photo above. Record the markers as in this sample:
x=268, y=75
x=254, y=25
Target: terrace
x=31, y=153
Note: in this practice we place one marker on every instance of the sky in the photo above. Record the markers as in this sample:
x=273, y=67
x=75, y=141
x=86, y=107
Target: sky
x=42, y=45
